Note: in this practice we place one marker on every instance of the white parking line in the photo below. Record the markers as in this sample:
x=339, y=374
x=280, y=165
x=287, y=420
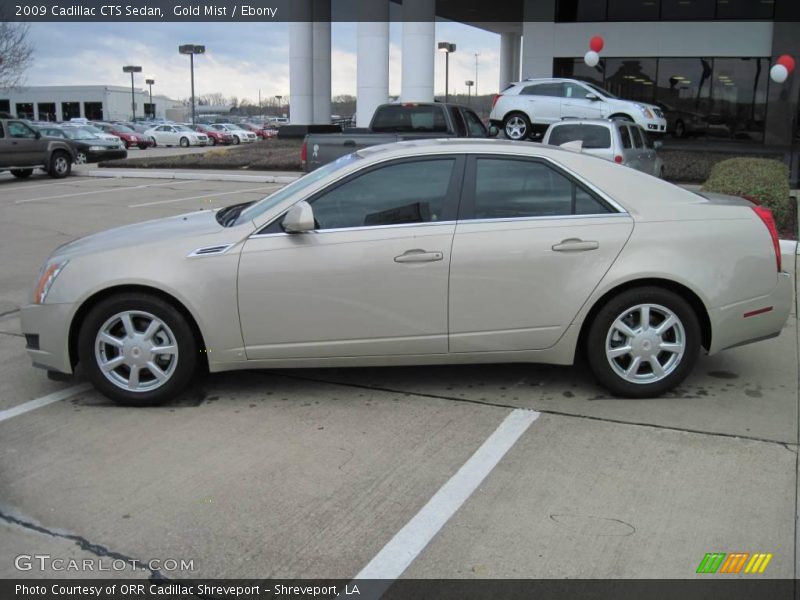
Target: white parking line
x=171, y=200
x=103, y=191
x=405, y=546
x=74, y=180
x=20, y=409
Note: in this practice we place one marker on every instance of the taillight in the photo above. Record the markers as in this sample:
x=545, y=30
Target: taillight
x=766, y=217
x=495, y=99
x=618, y=159
x=304, y=153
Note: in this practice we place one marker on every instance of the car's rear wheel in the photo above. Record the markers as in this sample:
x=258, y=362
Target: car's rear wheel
x=21, y=173
x=60, y=165
x=643, y=342
x=517, y=126
x=137, y=349
x=184, y=142
x=680, y=129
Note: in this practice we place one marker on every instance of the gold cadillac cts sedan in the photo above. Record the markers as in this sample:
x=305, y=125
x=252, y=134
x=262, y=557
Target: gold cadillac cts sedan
x=425, y=252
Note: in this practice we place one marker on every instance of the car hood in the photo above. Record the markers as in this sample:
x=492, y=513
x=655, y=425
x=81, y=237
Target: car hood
x=144, y=234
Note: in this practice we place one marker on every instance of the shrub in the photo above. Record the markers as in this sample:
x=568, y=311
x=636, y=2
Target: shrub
x=763, y=180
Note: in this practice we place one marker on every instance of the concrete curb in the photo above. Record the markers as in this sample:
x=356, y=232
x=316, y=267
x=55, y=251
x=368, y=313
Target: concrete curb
x=158, y=174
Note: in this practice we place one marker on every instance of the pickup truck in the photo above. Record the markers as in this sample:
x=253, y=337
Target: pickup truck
x=395, y=123
x=23, y=149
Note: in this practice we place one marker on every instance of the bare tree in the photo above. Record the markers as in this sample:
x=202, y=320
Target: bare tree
x=214, y=99
x=16, y=53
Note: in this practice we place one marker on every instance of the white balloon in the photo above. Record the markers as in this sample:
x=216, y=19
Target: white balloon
x=778, y=73
x=591, y=58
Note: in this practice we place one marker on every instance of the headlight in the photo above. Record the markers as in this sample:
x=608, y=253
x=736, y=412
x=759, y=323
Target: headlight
x=97, y=148
x=645, y=111
x=47, y=277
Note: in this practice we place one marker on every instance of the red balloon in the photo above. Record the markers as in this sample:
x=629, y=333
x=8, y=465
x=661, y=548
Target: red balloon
x=597, y=43
x=787, y=61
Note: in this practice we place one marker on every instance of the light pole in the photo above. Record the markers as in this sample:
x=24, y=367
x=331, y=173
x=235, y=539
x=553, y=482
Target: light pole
x=150, y=82
x=191, y=50
x=469, y=83
x=132, y=69
x=447, y=48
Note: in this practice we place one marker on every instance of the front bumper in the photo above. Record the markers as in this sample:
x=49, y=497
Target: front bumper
x=654, y=125
x=752, y=320
x=46, y=330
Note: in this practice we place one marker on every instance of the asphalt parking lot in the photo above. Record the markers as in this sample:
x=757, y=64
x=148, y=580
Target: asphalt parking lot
x=332, y=473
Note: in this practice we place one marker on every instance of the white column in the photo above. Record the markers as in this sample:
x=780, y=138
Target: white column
x=373, y=58
x=322, y=62
x=510, y=46
x=301, y=72
x=419, y=50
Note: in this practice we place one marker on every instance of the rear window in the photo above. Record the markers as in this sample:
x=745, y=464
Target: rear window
x=592, y=136
x=398, y=118
x=625, y=136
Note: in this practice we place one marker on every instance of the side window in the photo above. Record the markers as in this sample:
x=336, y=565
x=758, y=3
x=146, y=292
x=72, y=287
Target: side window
x=637, y=137
x=543, y=89
x=17, y=129
x=508, y=188
x=474, y=124
x=624, y=136
x=408, y=192
x=458, y=122
x=573, y=90
x=2, y=131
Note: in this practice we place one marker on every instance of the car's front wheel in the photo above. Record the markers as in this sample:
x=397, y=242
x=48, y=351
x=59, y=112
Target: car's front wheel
x=236, y=140
x=81, y=158
x=212, y=141
x=60, y=165
x=517, y=126
x=184, y=142
x=142, y=146
x=153, y=142
x=137, y=349
x=643, y=342
x=21, y=173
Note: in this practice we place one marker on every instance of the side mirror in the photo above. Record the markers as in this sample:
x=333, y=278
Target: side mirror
x=658, y=144
x=493, y=131
x=38, y=134
x=299, y=219
x=592, y=97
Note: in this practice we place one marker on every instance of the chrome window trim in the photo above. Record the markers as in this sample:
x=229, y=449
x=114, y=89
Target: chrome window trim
x=454, y=153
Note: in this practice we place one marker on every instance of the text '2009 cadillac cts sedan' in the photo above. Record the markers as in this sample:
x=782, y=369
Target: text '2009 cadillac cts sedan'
x=427, y=252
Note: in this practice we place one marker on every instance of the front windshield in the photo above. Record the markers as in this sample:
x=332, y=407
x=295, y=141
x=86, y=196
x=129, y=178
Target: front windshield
x=304, y=182
x=92, y=128
x=599, y=90
x=80, y=133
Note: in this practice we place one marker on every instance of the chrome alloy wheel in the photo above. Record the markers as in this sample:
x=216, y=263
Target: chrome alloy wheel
x=61, y=165
x=516, y=128
x=136, y=351
x=80, y=158
x=645, y=343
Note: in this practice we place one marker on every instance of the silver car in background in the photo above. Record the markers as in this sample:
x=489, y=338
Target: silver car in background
x=617, y=140
x=421, y=252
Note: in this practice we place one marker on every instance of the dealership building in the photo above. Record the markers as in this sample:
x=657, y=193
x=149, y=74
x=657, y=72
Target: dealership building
x=94, y=102
x=706, y=61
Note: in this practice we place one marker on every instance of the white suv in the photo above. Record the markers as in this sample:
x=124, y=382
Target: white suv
x=530, y=106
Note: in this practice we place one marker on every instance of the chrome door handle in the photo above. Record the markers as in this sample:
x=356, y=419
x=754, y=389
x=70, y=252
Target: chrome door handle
x=575, y=245
x=418, y=256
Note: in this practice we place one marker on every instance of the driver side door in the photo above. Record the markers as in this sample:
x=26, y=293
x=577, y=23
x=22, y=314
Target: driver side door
x=575, y=104
x=370, y=280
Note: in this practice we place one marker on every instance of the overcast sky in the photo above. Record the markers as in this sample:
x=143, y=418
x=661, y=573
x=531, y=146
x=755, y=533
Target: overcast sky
x=240, y=58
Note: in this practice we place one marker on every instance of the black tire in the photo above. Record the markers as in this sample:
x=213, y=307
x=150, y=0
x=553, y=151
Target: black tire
x=184, y=142
x=521, y=123
x=127, y=144
x=153, y=142
x=187, y=358
x=21, y=173
x=600, y=331
x=236, y=140
x=680, y=130
x=212, y=141
x=142, y=146
x=60, y=165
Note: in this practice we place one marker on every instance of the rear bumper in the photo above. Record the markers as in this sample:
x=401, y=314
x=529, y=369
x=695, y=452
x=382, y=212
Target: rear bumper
x=752, y=320
x=46, y=328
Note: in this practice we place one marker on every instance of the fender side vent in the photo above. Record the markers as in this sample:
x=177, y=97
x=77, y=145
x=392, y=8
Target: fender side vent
x=211, y=250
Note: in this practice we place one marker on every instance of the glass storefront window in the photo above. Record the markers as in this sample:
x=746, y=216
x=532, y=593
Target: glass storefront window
x=744, y=9
x=630, y=78
x=581, y=10
x=575, y=68
x=739, y=98
x=684, y=94
x=683, y=10
x=633, y=10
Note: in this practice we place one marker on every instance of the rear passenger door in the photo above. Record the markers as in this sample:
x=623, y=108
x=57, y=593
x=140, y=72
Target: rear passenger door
x=543, y=102
x=531, y=244
x=638, y=160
